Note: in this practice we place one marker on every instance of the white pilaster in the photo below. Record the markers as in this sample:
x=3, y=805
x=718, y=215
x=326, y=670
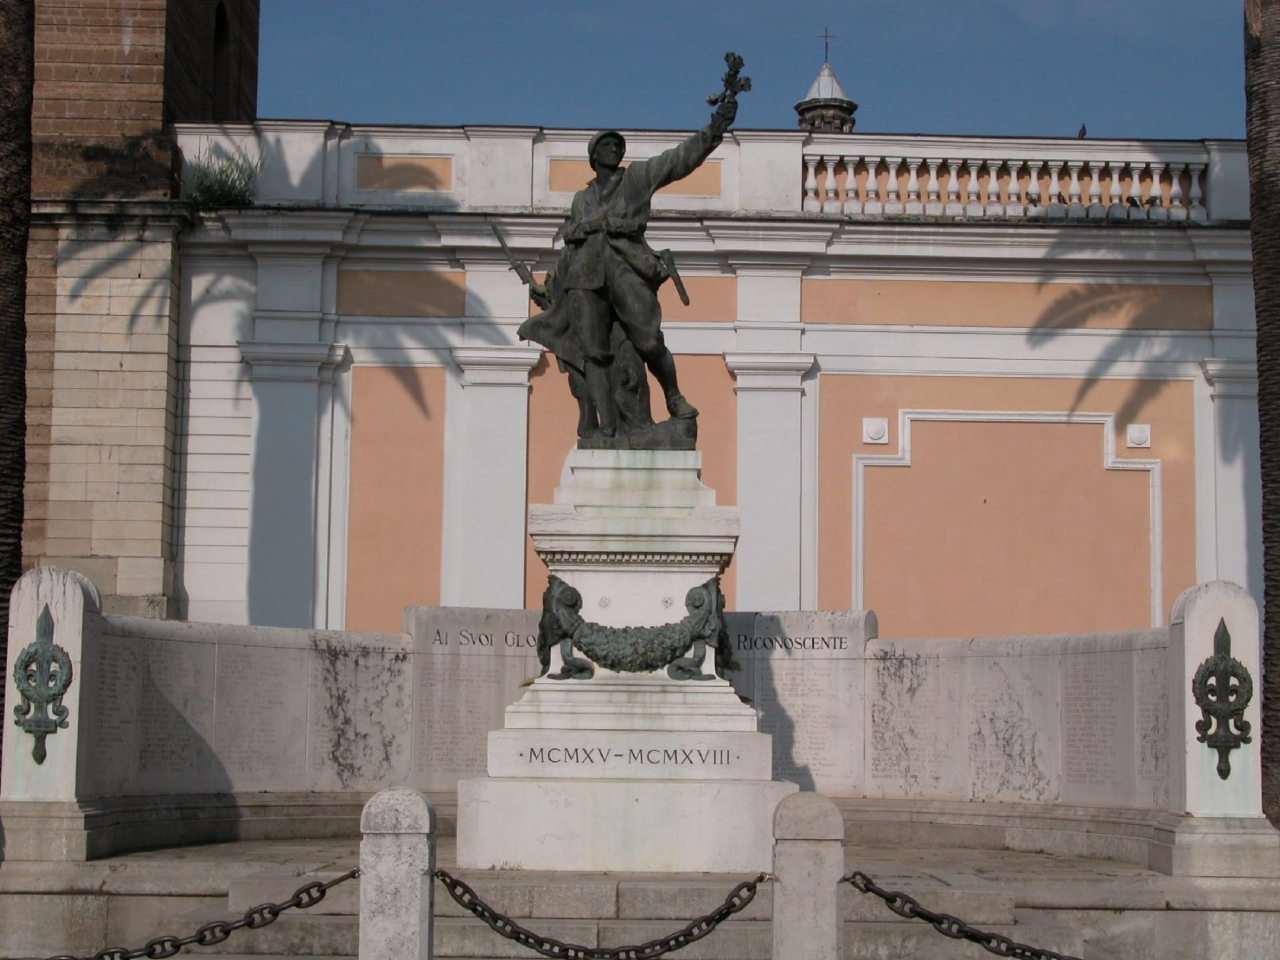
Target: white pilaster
x=769, y=288
x=486, y=443
x=493, y=289
x=770, y=477
x=288, y=417
x=292, y=359
x=1236, y=526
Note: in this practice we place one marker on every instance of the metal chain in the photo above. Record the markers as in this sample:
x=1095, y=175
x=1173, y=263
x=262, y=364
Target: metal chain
x=907, y=906
x=307, y=895
x=738, y=898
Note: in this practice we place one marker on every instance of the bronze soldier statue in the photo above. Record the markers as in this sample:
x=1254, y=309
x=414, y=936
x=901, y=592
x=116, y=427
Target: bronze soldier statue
x=602, y=318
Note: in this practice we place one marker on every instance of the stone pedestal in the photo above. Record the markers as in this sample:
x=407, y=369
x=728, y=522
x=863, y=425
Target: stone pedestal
x=633, y=531
x=623, y=770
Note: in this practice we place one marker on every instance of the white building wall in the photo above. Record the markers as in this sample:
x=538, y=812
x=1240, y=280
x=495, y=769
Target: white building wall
x=215, y=439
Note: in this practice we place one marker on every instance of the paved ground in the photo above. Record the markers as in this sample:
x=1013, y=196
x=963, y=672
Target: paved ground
x=1078, y=906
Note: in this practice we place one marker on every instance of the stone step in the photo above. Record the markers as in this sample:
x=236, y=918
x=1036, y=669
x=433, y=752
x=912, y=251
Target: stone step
x=595, y=897
x=919, y=941
x=582, y=906
x=603, y=898
x=292, y=935
x=47, y=924
x=295, y=935
x=973, y=899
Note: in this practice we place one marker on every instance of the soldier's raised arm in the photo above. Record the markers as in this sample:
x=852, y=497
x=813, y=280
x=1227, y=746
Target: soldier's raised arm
x=682, y=159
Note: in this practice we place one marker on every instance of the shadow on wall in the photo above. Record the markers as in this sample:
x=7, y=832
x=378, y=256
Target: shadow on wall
x=297, y=420
x=1132, y=309
x=146, y=763
x=172, y=752
x=137, y=167
x=774, y=717
x=294, y=419
x=1140, y=313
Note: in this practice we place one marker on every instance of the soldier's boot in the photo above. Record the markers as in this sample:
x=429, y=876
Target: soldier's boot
x=664, y=371
x=679, y=407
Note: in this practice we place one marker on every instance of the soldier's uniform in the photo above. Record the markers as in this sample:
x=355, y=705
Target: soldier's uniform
x=608, y=271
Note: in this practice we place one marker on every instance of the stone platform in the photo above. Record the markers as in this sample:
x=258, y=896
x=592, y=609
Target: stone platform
x=1073, y=905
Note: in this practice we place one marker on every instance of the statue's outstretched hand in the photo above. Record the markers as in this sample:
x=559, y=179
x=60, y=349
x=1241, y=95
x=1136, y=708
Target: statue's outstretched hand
x=726, y=102
x=726, y=112
x=538, y=294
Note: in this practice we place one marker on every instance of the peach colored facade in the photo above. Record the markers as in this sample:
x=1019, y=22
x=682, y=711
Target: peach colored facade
x=397, y=486
x=1042, y=306
x=974, y=411
x=989, y=461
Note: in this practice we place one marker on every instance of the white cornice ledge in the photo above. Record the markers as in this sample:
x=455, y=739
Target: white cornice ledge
x=769, y=371
x=1234, y=379
x=496, y=365
x=288, y=360
x=285, y=226
x=774, y=236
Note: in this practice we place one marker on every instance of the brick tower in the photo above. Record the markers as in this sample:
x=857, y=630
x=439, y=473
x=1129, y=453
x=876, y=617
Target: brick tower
x=111, y=77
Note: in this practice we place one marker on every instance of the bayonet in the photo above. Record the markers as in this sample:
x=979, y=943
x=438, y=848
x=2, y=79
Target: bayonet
x=522, y=271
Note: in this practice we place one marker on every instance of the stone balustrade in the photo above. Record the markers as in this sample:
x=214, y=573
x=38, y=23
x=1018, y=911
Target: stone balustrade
x=969, y=178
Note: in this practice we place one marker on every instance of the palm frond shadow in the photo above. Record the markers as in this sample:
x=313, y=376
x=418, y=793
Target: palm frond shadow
x=142, y=169
x=1139, y=311
x=1152, y=336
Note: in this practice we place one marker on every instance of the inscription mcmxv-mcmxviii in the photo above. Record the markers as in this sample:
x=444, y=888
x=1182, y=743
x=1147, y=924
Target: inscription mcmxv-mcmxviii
x=748, y=642
x=679, y=757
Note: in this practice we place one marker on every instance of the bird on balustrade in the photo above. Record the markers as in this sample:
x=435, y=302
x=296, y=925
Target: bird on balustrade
x=1083, y=132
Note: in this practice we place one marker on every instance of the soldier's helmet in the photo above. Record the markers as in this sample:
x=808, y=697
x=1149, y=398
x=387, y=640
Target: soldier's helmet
x=604, y=135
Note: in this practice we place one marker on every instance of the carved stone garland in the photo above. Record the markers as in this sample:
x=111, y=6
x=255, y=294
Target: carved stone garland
x=631, y=649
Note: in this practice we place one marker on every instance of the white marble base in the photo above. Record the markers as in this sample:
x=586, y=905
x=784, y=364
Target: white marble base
x=611, y=701
x=679, y=826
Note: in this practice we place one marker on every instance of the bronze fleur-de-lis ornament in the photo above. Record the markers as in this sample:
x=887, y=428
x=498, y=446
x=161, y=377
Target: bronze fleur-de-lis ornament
x=42, y=673
x=1222, y=689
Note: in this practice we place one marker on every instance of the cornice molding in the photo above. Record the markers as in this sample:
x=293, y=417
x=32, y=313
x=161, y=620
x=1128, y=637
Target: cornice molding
x=80, y=213
x=274, y=360
x=495, y=365
x=1231, y=379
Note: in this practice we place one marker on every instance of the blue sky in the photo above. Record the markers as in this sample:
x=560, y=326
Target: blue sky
x=1126, y=68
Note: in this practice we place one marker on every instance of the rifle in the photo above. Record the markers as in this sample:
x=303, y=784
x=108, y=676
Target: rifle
x=523, y=272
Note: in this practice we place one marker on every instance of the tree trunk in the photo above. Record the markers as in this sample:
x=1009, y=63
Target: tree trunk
x=17, y=74
x=1262, y=125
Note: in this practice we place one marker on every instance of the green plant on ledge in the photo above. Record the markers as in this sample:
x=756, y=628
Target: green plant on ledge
x=210, y=181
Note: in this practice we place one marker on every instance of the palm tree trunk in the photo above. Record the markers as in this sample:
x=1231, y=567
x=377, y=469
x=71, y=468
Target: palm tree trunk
x=17, y=67
x=1262, y=124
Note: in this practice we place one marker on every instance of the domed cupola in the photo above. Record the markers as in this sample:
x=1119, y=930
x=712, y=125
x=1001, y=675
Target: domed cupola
x=826, y=108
